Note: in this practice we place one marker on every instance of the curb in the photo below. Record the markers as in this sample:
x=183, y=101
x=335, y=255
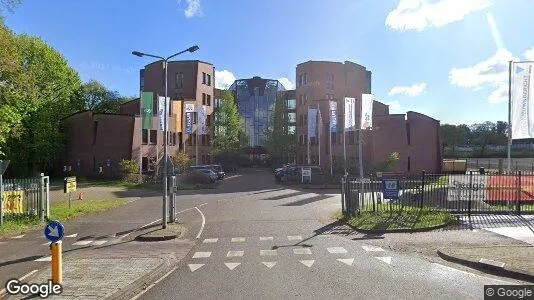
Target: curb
x=146, y=280
x=487, y=268
x=141, y=238
x=401, y=230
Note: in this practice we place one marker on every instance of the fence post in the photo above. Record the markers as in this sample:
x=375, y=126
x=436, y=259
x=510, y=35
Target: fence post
x=373, y=194
x=1, y=200
x=343, y=188
x=41, y=198
x=470, y=191
x=422, y=188
x=519, y=194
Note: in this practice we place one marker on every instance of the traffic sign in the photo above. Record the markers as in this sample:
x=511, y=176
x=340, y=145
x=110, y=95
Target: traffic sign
x=390, y=188
x=69, y=184
x=54, y=231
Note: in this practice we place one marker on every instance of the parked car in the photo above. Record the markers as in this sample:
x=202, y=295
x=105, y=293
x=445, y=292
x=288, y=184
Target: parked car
x=293, y=173
x=218, y=170
x=210, y=173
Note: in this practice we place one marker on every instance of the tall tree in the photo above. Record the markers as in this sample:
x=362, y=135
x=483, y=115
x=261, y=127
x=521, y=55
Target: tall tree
x=8, y=5
x=228, y=126
x=99, y=99
x=455, y=135
x=280, y=142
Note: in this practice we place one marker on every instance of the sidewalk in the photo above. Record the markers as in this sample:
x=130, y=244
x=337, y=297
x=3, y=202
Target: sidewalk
x=514, y=261
x=118, y=271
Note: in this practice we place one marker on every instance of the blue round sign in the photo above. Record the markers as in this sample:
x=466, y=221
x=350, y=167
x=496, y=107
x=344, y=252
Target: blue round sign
x=54, y=231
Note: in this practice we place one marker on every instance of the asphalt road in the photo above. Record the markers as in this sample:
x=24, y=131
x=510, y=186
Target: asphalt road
x=263, y=241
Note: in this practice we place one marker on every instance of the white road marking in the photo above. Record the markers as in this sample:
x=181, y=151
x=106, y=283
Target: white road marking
x=235, y=253
x=347, y=261
x=202, y=204
x=302, y=251
x=71, y=235
x=201, y=254
x=372, y=248
x=307, y=263
x=472, y=274
x=269, y=264
x=3, y=291
x=82, y=243
x=232, y=266
x=336, y=250
x=210, y=240
x=18, y=236
x=44, y=258
x=238, y=239
x=98, y=243
x=203, y=222
x=153, y=284
x=194, y=267
x=492, y=262
x=267, y=252
x=266, y=238
x=294, y=237
x=386, y=259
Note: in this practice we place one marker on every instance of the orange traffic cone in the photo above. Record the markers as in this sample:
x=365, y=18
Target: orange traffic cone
x=80, y=196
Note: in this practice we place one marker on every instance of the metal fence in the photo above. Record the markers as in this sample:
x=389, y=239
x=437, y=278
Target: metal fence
x=25, y=197
x=463, y=193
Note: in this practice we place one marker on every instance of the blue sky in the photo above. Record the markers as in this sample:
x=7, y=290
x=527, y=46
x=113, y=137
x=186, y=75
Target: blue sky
x=444, y=58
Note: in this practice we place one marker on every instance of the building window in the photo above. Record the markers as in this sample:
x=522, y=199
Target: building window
x=305, y=99
x=95, y=130
x=195, y=117
x=209, y=80
x=151, y=163
x=305, y=79
x=208, y=140
x=305, y=120
x=203, y=98
x=180, y=137
x=305, y=139
x=208, y=100
x=203, y=78
x=179, y=80
x=153, y=137
x=190, y=140
x=291, y=129
x=301, y=100
x=208, y=120
x=408, y=135
x=301, y=139
x=291, y=104
x=409, y=164
x=144, y=163
x=144, y=138
x=299, y=80
x=174, y=138
x=329, y=81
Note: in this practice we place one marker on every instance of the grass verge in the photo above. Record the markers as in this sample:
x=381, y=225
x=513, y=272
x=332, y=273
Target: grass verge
x=405, y=218
x=14, y=225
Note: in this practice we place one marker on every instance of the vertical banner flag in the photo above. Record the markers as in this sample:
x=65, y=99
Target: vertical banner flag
x=350, y=107
x=333, y=116
x=367, y=111
x=189, y=110
x=146, y=109
x=312, y=122
x=202, y=120
x=177, y=114
x=522, y=95
x=162, y=112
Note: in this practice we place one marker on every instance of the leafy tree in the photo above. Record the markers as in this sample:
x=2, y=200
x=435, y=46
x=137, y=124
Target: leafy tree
x=129, y=167
x=388, y=164
x=8, y=5
x=455, y=135
x=99, y=99
x=181, y=160
x=228, y=126
x=280, y=144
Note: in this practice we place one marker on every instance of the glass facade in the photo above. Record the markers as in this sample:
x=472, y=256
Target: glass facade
x=255, y=100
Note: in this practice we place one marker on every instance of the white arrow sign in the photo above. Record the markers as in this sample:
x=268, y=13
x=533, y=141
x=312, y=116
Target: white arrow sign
x=53, y=231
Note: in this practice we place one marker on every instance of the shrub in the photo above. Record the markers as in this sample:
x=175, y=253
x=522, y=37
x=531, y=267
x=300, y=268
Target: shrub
x=129, y=167
x=196, y=177
x=181, y=160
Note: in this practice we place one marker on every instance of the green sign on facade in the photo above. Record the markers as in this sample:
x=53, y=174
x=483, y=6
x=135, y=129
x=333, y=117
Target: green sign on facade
x=147, y=109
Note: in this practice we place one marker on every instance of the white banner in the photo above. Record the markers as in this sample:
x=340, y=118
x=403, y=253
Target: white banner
x=189, y=107
x=333, y=116
x=350, y=107
x=312, y=122
x=522, y=96
x=367, y=111
x=202, y=120
x=161, y=112
x=461, y=188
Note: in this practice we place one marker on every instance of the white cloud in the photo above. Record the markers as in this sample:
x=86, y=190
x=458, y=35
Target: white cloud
x=529, y=54
x=492, y=72
x=421, y=14
x=412, y=91
x=193, y=8
x=288, y=85
x=494, y=31
x=394, y=107
x=224, y=79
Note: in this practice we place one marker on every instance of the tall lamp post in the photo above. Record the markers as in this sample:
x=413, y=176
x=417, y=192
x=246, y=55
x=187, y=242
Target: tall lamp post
x=165, y=125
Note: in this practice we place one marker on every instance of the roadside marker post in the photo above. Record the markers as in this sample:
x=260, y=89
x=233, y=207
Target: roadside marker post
x=69, y=186
x=54, y=232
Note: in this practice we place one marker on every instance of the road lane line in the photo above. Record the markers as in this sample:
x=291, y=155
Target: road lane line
x=152, y=285
x=211, y=240
x=202, y=254
x=3, y=291
x=203, y=222
x=266, y=238
x=238, y=239
x=336, y=250
x=235, y=253
x=302, y=251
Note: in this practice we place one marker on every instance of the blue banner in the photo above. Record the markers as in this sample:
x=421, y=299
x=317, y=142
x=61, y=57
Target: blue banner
x=189, y=123
x=333, y=116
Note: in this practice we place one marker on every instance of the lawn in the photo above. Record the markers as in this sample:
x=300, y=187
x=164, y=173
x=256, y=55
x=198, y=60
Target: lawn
x=14, y=225
x=405, y=217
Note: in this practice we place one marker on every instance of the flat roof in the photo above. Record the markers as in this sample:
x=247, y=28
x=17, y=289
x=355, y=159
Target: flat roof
x=181, y=61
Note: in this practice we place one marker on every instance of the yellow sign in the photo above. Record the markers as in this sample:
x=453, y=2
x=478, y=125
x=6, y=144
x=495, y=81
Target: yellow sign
x=12, y=202
x=70, y=185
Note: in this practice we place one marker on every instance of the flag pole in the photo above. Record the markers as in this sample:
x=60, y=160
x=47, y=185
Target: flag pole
x=330, y=137
x=509, y=115
x=344, y=133
x=308, y=134
x=360, y=159
x=319, y=128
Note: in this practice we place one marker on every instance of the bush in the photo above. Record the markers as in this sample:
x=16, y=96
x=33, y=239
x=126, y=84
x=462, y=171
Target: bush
x=181, y=160
x=129, y=167
x=196, y=177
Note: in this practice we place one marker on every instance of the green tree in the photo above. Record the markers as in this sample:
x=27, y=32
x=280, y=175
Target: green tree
x=8, y=5
x=280, y=142
x=181, y=160
x=228, y=126
x=99, y=99
x=455, y=135
x=43, y=92
x=388, y=164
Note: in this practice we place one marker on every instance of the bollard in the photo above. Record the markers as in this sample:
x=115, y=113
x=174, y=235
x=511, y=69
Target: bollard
x=57, y=264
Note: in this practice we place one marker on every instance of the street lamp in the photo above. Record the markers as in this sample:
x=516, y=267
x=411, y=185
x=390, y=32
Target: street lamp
x=165, y=125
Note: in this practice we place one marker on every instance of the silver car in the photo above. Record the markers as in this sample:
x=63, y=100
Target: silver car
x=213, y=176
